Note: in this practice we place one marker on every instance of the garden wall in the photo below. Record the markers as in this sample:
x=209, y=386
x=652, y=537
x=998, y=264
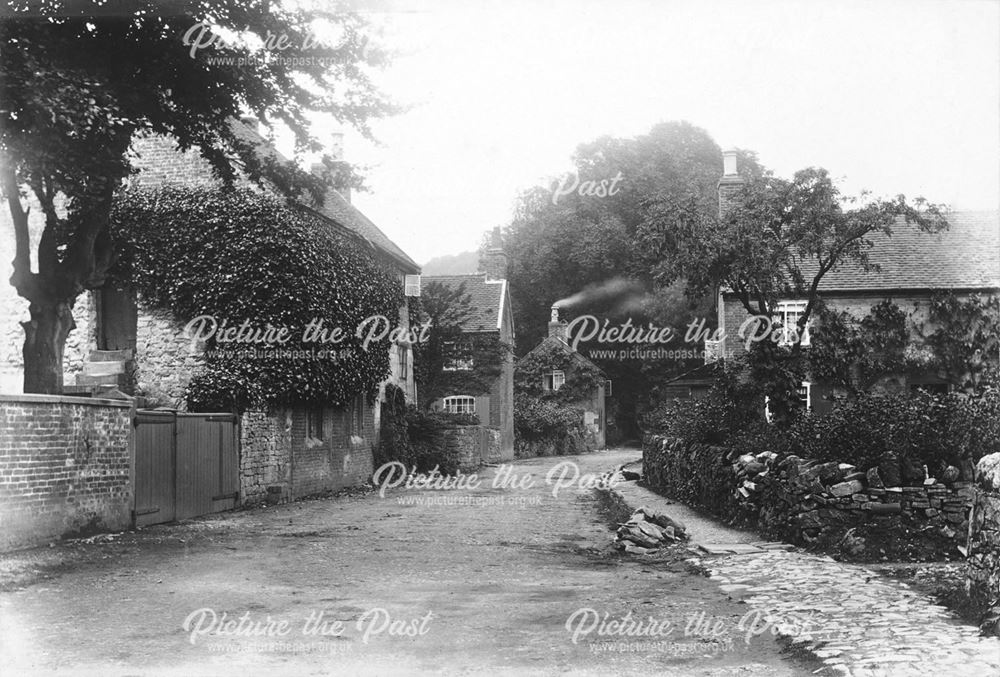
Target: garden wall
x=472, y=445
x=828, y=505
x=65, y=467
x=983, y=566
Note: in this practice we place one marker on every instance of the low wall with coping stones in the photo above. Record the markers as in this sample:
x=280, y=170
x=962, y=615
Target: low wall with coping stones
x=983, y=564
x=829, y=505
x=65, y=467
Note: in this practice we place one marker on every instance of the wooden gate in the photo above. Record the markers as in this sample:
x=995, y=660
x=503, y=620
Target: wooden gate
x=185, y=465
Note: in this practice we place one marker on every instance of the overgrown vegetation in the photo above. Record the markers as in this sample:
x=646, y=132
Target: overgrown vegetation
x=245, y=256
x=415, y=437
x=551, y=421
x=864, y=428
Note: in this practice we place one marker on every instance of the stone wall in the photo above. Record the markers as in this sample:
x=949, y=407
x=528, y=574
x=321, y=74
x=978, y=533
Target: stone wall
x=469, y=446
x=265, y=448
x=65, y=467
x=164, y=358
x=280, y=462
x=983, y=564
x=829, y=505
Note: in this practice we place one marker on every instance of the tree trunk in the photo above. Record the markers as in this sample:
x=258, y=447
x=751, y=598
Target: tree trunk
x=44, y=343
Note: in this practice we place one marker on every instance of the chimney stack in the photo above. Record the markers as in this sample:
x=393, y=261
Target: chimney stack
x=557, y=329
x=730, y=183
x=493, y=260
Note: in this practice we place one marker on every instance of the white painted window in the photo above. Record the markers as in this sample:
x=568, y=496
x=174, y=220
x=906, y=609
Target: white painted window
x=553, y=380
x=460, y=404
x=805, y=395
x=412, y=285
x=789, y=313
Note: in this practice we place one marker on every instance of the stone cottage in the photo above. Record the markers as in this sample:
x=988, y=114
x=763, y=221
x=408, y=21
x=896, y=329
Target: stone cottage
x=592, y=402
x=120, y=343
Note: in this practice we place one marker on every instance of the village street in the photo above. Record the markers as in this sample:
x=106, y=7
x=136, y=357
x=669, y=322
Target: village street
x=484, y=589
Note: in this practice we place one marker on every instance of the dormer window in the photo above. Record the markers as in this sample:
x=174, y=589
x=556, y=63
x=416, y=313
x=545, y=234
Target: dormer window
x=553, y=380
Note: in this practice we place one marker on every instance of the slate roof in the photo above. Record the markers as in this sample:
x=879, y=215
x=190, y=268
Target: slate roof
x=965, y=256
x=335, y=207
x=487, y=299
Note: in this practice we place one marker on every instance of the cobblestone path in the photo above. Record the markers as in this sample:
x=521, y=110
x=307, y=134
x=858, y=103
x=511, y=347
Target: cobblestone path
x=857, y=622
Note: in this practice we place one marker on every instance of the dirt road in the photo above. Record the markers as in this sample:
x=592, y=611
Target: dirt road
x=469, y=580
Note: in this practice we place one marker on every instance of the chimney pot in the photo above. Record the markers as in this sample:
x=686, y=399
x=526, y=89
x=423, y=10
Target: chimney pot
x=729, y=167
x=557, y=329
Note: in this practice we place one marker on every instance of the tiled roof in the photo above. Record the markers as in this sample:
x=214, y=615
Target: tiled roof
x=966, y=255
x=486, y=299
x=334, y=207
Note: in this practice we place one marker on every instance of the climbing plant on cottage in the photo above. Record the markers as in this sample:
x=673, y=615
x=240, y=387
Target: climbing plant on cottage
x=242, y=255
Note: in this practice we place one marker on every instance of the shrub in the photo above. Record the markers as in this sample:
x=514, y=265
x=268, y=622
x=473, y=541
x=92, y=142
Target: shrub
x=547, y=425
x=415, y=437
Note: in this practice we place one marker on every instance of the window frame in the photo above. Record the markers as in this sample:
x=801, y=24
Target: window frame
x=315, y=416
x=411, y=285
x=467, y=401
x=549, y=380
x=796, y=309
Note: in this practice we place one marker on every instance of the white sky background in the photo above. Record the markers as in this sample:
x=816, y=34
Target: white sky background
x=891, y=96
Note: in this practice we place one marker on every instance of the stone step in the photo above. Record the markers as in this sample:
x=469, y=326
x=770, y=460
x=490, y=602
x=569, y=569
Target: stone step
x=117, y=380
x=103, y=368
x=110, y=355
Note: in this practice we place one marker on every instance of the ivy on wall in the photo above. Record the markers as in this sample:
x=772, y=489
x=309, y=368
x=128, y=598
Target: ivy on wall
x=581, y=378
x=245, y=256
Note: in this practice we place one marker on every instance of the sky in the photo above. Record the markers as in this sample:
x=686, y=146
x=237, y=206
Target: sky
x=889, y=96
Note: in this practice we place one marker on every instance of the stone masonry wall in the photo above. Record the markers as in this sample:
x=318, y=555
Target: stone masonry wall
x=165, y=361
x=471, y=445
x=983, y=564
x=265, y=454
x=828, y=505
x=65, y=467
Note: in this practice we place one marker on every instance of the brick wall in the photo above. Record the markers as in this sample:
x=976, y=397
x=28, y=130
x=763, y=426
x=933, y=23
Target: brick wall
x=65, y=465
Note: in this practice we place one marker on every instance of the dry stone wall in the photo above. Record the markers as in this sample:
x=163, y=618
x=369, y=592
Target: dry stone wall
x=827, y=505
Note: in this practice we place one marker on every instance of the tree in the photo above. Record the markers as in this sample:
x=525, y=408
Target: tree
x=562, y=244
x=778, y=241
x=75, y=90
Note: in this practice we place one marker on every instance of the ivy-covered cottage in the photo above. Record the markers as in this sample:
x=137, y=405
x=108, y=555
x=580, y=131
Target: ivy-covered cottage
x=205, y=275
x=477, y=369
x=890, y=327
x=553, y=371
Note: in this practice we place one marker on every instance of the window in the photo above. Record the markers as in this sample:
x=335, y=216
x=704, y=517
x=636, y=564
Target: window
x=314, y=423
x=404, y=362
x=457, y=356
x=554, y=380
x=411, y=284
x=805, y=396
x=789, y=313
x=460, y=404
x=357, y=428
x=607, y=388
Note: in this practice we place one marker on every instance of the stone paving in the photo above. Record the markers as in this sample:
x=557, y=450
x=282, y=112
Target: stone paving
x=857, y=622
